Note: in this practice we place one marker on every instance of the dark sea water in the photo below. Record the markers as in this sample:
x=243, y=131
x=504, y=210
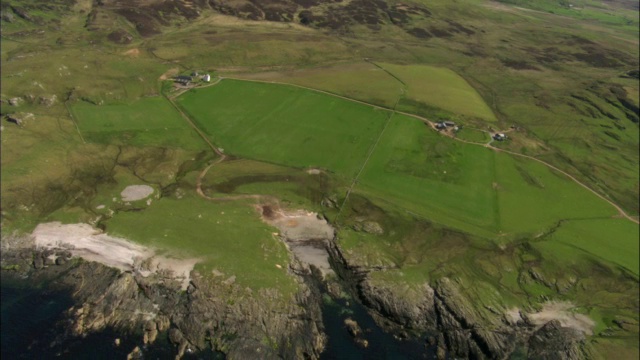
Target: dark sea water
x=382, y=345
x=29, y=317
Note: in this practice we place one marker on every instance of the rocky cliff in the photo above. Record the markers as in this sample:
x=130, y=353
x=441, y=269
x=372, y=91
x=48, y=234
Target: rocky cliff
x=456, y=325
x=212, y=312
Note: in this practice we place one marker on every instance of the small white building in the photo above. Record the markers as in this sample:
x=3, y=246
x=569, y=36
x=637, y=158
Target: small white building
x=500, y=136
x=206, y=78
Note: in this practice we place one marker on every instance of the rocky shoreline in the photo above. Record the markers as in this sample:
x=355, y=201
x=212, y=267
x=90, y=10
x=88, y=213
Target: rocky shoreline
x=215, y=313
x=456, y=328
x=211, y=314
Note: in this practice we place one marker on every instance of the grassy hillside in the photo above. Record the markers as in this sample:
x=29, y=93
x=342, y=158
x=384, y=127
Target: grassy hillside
x=440, y=88
x=227, y=237
x=470, y=187
x=509, y=230
x=146, y=122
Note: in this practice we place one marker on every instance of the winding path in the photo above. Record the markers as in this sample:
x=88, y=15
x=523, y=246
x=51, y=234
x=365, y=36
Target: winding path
x=431, y=124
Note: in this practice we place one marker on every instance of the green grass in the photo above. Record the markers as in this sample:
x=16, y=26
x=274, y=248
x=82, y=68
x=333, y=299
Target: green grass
x=441, y=88
x=228, y=237
x=438, y=178
x=471, y=188
x=612, y=240
x=532, y=197
x=294, y=188
x=150, y=121
x=473, y=135
x=361, y=80
x=285, y=125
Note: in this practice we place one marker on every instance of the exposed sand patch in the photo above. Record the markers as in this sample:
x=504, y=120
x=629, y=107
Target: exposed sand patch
x=513, y=316
x=133, y=52
x=93, y=245
x=561, y=311
x=136, y=192
x=314, y=171
x=305, y=234
x=169, y=74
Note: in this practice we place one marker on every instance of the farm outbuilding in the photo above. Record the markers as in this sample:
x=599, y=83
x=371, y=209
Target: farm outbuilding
x=184, y=80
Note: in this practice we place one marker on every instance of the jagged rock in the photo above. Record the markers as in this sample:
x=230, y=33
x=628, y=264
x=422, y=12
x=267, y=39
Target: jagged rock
x=175, y=336
x=60, y=260
x=191, y=288
x=353, y=327
x=441, y=353
x=150, y=332
x=372, y=227
x=47, y=100
x=19, y=119
x=7, y=17
x=163, y=323
x=136, y=353
x=38, y=263
x=552, y=342
x=15, y=119
x=362, y=342
x=415, y=309
x=21, y=13
x=330, y=202
x=15, y=101
x=466, y=333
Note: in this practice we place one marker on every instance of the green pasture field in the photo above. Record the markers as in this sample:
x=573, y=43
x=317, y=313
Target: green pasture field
x=150, y=121
x=438, y=178
x=532, y=197
x=286, y=125
x=471, y=188
x=612, y=240
x=473, y=135
x=441, y=88
x=227, y=236
x=361, y=80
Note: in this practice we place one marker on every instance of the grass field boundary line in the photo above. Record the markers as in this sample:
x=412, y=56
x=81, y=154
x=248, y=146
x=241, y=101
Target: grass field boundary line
x=195, y=127
x=606, y=261
x=380, y=107
x=366, y=160
x=73, y=119
x=387, y=71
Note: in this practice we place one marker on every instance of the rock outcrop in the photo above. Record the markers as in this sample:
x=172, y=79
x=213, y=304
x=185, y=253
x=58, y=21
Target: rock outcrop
x=552, y=341
x=242, y=323
x=462, y=331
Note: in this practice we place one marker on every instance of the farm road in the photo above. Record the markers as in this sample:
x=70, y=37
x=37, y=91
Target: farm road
x=621, y=212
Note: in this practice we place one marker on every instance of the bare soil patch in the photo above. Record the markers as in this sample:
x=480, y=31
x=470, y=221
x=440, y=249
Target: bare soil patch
x=135, y=52
x=93, y=245
x=169, y=74
x=561, y=311
x=136, y=192
x=305, y=234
